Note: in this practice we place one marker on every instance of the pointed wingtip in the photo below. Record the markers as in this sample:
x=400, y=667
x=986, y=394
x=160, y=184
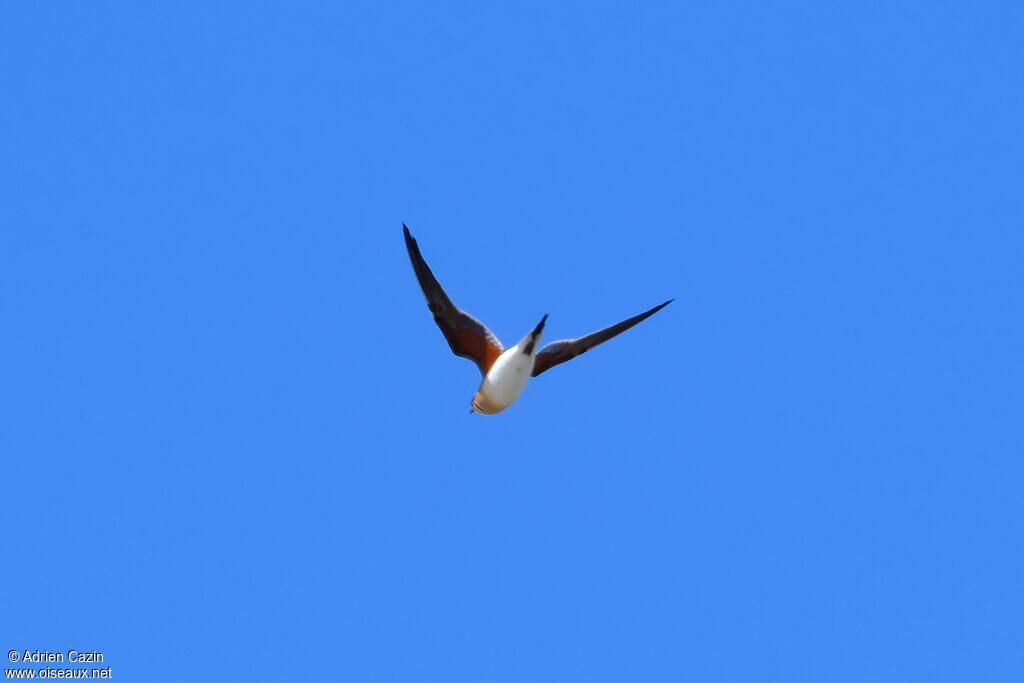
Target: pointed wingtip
x=663, y=305
x=410, y=241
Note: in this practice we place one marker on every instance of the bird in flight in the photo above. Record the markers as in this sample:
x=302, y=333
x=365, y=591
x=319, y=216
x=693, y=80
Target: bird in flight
x=505, y=371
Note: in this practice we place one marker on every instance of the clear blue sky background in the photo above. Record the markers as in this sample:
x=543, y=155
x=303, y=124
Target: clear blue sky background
x=235, y=447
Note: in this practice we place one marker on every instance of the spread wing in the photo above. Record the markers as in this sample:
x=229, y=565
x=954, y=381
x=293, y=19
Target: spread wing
x=467, y=336
x=567, y=349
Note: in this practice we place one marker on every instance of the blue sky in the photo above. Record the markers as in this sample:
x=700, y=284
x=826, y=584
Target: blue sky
x=236, y=447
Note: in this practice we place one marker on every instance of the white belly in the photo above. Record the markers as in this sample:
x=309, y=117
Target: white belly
x=505, y=380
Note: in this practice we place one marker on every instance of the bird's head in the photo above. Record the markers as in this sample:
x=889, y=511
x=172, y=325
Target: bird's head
x=480, y=405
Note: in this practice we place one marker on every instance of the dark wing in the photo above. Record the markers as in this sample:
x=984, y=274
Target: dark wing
x=567, y=349
x=467, y=336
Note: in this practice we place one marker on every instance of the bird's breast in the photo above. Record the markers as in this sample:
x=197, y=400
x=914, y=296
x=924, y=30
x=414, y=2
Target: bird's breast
x=507, y=378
